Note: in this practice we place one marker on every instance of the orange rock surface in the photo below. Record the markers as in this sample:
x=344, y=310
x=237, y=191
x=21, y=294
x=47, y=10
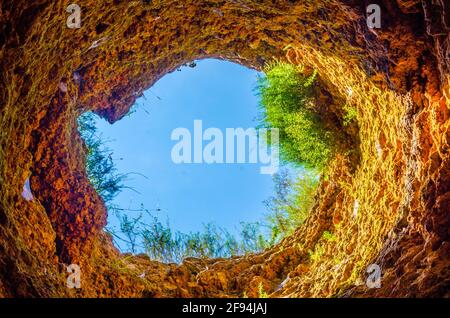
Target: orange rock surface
x=389, y=207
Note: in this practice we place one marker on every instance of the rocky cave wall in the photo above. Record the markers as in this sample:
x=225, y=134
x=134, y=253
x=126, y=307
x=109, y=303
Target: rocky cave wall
x=390, y=208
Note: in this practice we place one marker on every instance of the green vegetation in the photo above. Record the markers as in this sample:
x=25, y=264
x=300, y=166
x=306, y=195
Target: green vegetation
x=350, y=114
x=317, y=253
x=290, y=205
x=287, y=103
x=99, y=163
x=327, y=235
x=161, y=243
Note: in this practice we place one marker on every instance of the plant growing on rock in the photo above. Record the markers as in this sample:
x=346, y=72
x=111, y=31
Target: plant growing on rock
x=99, y=163
x=289, y=207
x=287, y=103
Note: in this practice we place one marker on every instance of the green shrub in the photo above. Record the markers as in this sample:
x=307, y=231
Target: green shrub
x=163, y=244
x=287, y=103
x=100, y=167
x=290, y=205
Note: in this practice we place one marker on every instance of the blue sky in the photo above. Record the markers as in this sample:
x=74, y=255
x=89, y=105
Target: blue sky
x=222, y=95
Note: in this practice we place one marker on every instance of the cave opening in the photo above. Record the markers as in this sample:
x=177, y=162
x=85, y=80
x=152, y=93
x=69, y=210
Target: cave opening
x=171, y=210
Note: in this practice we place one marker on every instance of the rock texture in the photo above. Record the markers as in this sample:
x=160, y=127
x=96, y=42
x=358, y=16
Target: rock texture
x=390, y=208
